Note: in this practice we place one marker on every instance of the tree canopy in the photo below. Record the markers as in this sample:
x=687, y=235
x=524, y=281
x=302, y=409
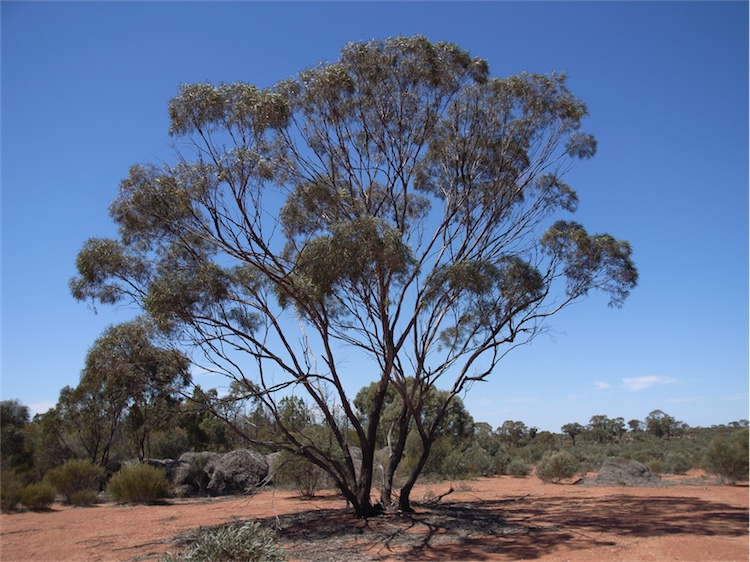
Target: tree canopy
x=399, y=205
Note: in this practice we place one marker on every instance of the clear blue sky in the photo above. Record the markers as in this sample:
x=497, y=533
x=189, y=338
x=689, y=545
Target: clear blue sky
x=85, y=88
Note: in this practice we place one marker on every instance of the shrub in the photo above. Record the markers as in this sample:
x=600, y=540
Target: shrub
x=728, y=457
x=518, y=468
x=301, y=474
x=139, y=483
x=453, y=465
x=557, y=466
x=656, y=466
x=38, y=496
x=501, y=459
x=10, y=490
x=77, y=478
x=168, y=444
x=84, y=497
x=246, y=541
x=677, y=462
x=479, y=462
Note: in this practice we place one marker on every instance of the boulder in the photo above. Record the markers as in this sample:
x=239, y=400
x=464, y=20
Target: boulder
x=167, y=465
x=194, y=471
x=617, y=472
x=236, y=472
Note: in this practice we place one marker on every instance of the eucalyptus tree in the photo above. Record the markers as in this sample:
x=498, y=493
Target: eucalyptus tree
x=399, y=206
x=660, y=424
x=128, y=387
x=573, y=429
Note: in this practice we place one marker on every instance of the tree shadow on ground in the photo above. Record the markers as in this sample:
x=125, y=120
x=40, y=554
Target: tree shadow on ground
x=520, y=528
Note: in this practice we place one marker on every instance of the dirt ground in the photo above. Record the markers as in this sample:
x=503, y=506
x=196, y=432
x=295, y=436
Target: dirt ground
x=686, y=518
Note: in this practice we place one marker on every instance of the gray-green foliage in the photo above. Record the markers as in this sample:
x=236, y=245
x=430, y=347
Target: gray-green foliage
x=76, y=477
x=10, y=490
x=244, y=541
x=554, y=467
x=128, y=389
x=393, y=203
x=518, y=468
x=139, y=483
x=727, y=457
x=300, y=473
x=677, y=462
x=15, y=451
x=37, y=496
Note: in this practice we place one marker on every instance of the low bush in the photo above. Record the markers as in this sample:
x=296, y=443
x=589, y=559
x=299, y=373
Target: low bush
x=518, y=468
x=727, y=457
x=479, y=462
x=139, y=483
x=38, y=496
x=557, y=466
x=297, y=472
x=453, y=465
x=501, y=459
x=84, y=497
x=10, y=490
x=77, y=481
x=246, y=541
x=677, y=462
x=657, y=467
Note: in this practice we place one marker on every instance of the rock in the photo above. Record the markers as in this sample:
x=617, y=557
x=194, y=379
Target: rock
x=216, y=473
x=167, y=465
x=616, y=472
x=237, y=472
x=194, y=471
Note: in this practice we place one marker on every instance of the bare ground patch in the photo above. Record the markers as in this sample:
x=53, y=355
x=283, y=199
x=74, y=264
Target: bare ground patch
x=689, y=518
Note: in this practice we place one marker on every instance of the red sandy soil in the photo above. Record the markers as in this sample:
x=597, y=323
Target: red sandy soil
x=502, y=518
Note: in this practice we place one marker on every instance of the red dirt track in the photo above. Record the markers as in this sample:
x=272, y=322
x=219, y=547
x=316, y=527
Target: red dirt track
x=489, y=519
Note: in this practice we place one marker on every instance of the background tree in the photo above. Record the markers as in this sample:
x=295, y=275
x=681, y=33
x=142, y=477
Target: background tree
x=660, y=424
x=635, y=426
x=513, y=433
x=573, y=430
x=602, y=429
x=16, y=451
x=398, y=204
x=128, y=387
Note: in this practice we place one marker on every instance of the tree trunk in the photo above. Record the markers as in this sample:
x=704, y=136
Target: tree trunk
x=394, y=458
x=403, y=503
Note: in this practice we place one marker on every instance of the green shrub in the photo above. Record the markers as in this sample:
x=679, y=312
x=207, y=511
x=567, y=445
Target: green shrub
x=299, y=473
x=10, y=490
x=727, y=457
x=453, y=465
x=479, y=462
x=656, y=466
x=38, y=496
x=518, y=468
x=139, y=483
x=84, y=497
x=501, y=459
x=77, y=478
x=677, y=462
x=246, y=541
x=557, y=466
x=168, y=444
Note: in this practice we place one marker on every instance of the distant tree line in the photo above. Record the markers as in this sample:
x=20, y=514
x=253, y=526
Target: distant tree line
x=89, y=424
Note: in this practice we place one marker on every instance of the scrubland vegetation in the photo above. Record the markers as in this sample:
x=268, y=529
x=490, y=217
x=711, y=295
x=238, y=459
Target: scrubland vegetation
x=39, y=466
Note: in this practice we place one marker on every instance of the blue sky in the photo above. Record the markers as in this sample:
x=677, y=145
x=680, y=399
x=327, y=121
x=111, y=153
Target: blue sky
x=85, y=88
